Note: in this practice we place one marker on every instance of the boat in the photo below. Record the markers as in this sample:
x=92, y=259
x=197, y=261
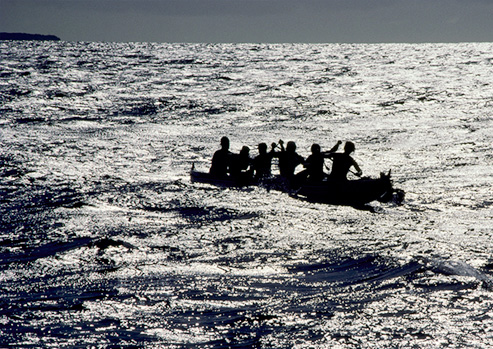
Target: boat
x=351, y=192
x=225, y=182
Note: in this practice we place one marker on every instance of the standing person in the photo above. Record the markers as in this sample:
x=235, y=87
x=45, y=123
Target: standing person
x=262, y=162
x=289, y=159
x=342, y=162
x=221, y=161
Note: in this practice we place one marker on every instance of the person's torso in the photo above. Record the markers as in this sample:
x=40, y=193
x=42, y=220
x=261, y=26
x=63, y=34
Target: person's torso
x=342, y=163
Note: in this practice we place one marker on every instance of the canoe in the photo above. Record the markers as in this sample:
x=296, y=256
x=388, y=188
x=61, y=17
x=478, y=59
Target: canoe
x=352, y=192
x=225, y=182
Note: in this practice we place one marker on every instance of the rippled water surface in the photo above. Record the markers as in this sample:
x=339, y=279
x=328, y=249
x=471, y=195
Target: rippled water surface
x=104, y=241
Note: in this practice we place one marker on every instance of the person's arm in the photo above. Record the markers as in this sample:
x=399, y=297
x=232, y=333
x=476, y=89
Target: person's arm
x=332, y=150
x=281, y=143
x=358, y=169
x=335, y=147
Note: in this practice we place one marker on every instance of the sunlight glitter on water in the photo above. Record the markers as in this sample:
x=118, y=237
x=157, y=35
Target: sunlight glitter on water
x=107, y=243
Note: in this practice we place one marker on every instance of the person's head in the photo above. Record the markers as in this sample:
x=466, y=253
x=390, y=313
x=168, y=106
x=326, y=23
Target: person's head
x=262, y=148
x=245, y=151
x=225, y=143
x=315, y=148
x=349, y=147
x=291, y=147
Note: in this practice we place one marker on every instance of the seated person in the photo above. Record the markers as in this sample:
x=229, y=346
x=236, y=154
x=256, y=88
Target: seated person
x=262, y=162
x=342, y=162
x=240, y=167
x=220, y=166
x=314, y=164
x=288, y=159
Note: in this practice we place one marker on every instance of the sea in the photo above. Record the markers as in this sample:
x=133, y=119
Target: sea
x=106, y=243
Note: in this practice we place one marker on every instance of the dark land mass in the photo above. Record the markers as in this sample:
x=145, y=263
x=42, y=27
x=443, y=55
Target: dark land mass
x=24, y=36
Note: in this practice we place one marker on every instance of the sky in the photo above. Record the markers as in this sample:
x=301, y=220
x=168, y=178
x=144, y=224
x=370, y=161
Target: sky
x=253, y=21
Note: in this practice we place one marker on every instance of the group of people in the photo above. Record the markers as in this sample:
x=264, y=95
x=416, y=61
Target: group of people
x=242, y=167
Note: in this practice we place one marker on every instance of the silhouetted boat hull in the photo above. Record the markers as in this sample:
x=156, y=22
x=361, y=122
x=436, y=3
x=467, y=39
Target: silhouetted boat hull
x=351, y=192
x=227, y=182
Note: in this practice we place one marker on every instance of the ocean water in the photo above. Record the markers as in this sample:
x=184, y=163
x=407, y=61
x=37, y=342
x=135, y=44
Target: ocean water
x=104, y=242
